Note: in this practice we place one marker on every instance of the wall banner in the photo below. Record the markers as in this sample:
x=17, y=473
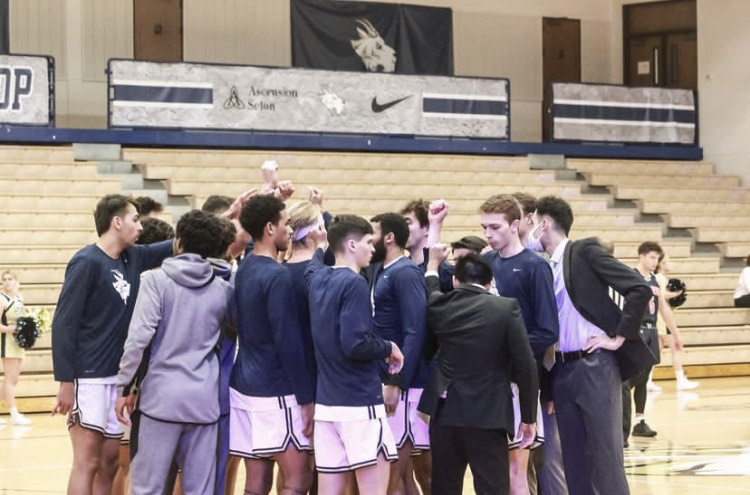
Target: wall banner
x=205, y=96
x=27, y=88
x=620, y=114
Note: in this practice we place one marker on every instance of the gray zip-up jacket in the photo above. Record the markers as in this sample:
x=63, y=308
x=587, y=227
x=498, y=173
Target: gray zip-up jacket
x=178, y=314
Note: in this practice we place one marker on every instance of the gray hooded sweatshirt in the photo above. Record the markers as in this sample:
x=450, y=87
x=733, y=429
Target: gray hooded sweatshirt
x=178, y=314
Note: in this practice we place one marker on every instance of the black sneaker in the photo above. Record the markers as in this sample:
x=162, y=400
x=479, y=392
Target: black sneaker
x=641, y=429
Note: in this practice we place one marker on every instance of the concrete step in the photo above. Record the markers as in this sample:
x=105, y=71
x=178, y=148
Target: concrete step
x=97, y=152
x=37, y=273
x=712, y=281
x=36, y=154
x=49, y=185
x=719, y=317
x=709, y=299
x=687, y=220
x=61, y=202
x=687, y=205
x=735, y=249
x=710, y=355
x=58, y=255
x=640, y=167
x=679, y=193
x=46, y=237
x=721, y=234
x=687, y=181
x=726, y=335
x=394, y=192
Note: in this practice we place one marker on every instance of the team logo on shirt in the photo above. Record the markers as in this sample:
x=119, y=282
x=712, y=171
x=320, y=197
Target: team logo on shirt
x=121, y=285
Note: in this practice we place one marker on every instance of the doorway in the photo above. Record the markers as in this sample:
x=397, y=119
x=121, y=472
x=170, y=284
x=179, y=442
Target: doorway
x=157, y=30
x=661, y=44
x=561, y=61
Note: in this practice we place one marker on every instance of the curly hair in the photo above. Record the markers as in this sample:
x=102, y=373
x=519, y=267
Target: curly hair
x=205, y=234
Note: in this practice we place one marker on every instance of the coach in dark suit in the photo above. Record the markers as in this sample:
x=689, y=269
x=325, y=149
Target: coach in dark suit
x=479, y=338
x=600, y=305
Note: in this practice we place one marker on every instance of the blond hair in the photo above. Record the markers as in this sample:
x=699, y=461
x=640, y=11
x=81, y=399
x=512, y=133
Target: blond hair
x=302, y=215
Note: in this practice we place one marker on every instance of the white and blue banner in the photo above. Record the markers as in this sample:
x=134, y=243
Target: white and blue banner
x=204, y=96
x=620, y=114
x=26, y=90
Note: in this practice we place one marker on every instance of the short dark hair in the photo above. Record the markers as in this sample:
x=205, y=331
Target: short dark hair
x=473, y=269
x=648, y=247
x=343, y=227
x=558, y=210
x=258, y=212
x=393, y=223
x=421, y=210
x=147, y=205
x=217, y=204
x=526, y=201
x=155, y=230
x=204, y=234
x=110, y=206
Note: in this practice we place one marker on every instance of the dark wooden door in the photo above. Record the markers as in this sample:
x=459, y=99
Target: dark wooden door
x=561, y=60
x=682, y=61
x=646, y=61
x=157, y=30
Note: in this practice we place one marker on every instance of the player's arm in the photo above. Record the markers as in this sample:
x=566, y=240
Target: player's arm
x=286, y=332
x=547, y=323
x=65, y=327
x=357, y=339
x=437, y=212
x=523, y=366
x=411, y=294
x=665, y=311
x=146, y=317
x=154, y=254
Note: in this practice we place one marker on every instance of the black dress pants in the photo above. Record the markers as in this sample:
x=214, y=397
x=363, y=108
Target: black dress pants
x=484, y=451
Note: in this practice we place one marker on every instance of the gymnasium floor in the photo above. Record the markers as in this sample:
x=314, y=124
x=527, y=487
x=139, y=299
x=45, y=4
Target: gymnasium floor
x=703, y=446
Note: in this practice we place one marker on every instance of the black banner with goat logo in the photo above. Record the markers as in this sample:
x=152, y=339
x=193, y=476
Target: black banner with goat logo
x=369, y=36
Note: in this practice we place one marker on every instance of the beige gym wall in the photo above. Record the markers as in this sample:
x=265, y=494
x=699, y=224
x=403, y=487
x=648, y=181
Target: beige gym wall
x=491, y=38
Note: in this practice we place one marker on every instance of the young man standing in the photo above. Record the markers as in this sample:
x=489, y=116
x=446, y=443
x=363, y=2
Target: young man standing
x=271, y=391
x=351, y=434
x=399, y=299
x=88, y=332
x=521, y=274
x=587, y=377
x=649, y=254
x=177, y=322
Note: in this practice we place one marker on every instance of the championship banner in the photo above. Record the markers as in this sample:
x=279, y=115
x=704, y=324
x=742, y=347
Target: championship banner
x=590, y=112
x=372, y=36
x=203, y=96
x=27, y=90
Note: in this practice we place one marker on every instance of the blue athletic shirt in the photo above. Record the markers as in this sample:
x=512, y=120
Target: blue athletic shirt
x=527, y=278
x=271, y=360
x=399, y=308
x=94, y=309
x=297, y=273
x=348, y=352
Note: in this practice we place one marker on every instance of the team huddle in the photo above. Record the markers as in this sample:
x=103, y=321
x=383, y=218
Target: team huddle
x=349, y=352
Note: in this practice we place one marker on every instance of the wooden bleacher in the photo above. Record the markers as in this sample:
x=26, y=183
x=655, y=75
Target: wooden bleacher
x=50, y=199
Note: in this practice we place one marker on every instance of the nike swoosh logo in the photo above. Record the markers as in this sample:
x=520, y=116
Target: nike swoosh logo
x=377, y=107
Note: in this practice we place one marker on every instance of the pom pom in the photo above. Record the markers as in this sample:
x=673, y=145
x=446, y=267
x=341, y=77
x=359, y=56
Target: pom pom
x=26, y=332
x=677, y=285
